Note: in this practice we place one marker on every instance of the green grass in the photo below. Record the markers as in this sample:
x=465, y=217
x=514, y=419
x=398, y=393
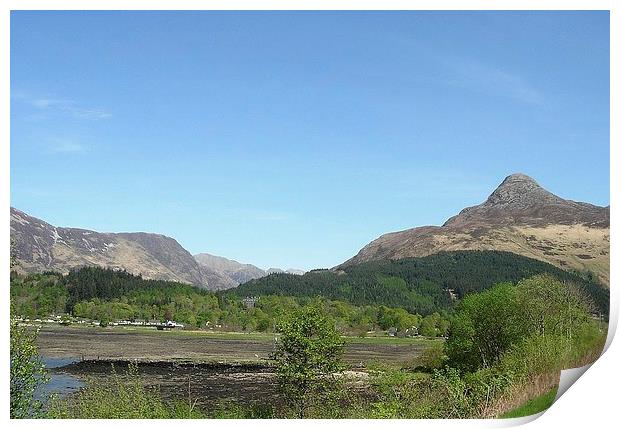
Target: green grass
x=533, y=406
x=255, y=336
x=268, y=336
x=227, y=335
x=393, y=340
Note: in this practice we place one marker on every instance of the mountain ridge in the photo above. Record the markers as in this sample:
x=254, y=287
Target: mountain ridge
x=227, y=273
x=519, y=216
x=40, y=246
x=231, y=272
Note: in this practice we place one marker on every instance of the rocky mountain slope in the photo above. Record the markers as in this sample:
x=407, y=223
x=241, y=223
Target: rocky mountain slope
x=39, y=246
x=520, y=217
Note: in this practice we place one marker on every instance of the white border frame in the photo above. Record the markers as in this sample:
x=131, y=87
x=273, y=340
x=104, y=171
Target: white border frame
x=591, y=402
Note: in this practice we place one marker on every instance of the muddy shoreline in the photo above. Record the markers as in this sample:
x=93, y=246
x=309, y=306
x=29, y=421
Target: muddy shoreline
x=89, y=365
x=209, y=384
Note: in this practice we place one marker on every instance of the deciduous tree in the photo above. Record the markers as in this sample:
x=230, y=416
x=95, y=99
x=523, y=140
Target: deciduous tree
x=307, y=355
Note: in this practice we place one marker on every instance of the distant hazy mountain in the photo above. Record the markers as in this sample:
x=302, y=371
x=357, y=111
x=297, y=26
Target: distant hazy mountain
x=39, y=246
x=227, y=273
x=520, y=217
x=287, y=271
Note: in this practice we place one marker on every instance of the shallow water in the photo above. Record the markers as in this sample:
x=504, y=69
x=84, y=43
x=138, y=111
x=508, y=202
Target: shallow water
x=60, y=383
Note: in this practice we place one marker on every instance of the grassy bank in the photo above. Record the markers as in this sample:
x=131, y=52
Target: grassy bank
x=533, y=406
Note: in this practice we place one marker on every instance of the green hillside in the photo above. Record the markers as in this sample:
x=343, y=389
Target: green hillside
x=420, y=285
x=372, y=294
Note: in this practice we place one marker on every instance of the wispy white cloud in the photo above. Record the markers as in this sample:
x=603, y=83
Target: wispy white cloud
x=475, y=75
x=45, y=103
x=471, y=73
x=63, y=106
x=67, y=146
x=89, y=113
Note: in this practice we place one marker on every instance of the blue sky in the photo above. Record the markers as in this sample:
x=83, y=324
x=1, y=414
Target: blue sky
x=293, y=139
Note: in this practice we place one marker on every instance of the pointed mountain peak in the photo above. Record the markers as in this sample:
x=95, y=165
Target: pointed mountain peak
x=517, y=188
x=518, y=178
x=518, y=182
x=519, y=199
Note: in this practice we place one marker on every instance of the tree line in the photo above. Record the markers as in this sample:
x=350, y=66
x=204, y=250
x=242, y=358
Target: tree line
x=106, y=295
x=420, y=285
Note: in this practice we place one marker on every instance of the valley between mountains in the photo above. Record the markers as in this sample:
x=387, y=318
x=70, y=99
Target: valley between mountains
x=519, y=216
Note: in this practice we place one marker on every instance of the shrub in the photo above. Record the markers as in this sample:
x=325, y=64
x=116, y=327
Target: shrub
x=451, y=386
x=485, y=386
x=27, y=373
x=432, y=357
x=236, y=411
x=549, y=306
x=536, y=355
x=400, y=394
x=307, y=355
x=484, y=326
